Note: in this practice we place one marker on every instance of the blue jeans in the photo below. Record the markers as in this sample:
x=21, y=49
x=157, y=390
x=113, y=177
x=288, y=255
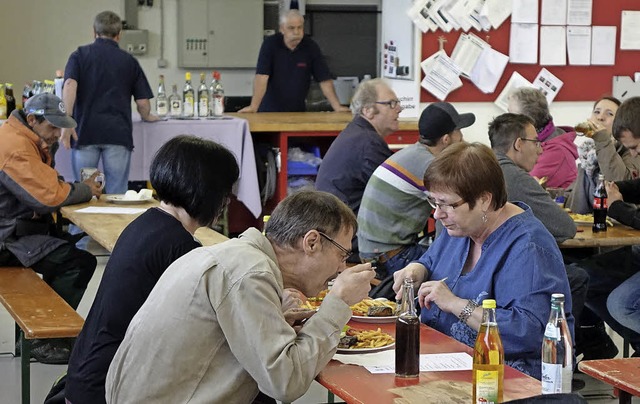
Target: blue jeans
x=116, y=161
x=409, y=254
x=624, y=303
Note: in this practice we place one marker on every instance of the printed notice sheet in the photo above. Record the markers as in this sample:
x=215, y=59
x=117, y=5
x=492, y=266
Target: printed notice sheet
x=549, y=84
x=384, y=362
x=554, y=12
x=603, y=45
x=553, y=46
x=579, y=12
x=579, y=45
x=523, y=43
x=516, y=81
x=441, y=76
x=630, y=30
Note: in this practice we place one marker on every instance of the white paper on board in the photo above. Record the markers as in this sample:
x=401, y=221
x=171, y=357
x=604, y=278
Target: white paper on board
x=523, y=43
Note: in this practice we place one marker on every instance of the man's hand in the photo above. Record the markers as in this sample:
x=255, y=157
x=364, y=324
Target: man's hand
x=353, y=284
x=65, y=137
x=248, y=108
x=96, y=187
x=414, y=271
x=613, y=193
x=342, y=108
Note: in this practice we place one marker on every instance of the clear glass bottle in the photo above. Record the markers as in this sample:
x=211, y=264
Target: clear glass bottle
x=407, y=335
x=48, y=86
x=188, y=97
x=600, y=207
x=557, y=350
x=26, y=93
x=488, y=358
x=203, y=97
x=175, y=103
x=265, y=219
x=162, y=103
x=11, y=100
x=217, y=95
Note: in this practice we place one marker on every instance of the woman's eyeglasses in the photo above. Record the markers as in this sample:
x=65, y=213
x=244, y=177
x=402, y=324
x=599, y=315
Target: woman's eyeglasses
x=444, y=207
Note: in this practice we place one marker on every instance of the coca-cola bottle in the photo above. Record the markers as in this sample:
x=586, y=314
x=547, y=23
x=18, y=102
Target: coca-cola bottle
x=600, y=206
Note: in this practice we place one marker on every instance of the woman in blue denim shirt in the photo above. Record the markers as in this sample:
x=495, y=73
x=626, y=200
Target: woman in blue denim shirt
x=491, y=249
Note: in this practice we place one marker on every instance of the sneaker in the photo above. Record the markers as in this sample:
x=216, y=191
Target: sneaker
x=51, y=352
x=594, y=343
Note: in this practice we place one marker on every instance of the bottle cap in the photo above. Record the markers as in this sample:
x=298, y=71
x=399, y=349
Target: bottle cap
x=265, y=218
x=488, y=304
x=187, y=75
x=558, y=297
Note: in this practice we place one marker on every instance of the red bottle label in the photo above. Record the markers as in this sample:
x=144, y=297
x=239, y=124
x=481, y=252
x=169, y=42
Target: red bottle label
x=600, y=203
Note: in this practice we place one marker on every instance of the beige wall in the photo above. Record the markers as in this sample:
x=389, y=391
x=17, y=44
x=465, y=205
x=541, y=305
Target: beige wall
x=38, y=36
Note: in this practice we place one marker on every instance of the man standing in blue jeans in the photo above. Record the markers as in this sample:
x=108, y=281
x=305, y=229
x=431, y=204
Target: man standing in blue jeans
x=100, y=79
x=395, y=205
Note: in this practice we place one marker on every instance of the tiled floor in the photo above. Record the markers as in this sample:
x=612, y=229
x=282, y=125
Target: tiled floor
x=42, y=376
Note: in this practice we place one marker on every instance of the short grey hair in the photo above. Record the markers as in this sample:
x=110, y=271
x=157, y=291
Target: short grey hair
x=108, y=24
x=505, y=129
x=308, y=210
x=289, y=14
x=366, y=95
x=532, y=103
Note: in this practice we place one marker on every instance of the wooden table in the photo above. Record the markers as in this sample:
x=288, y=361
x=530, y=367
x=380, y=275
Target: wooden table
x=106, y=228
x=622, y=374
x=354, y=384
x=617, y=235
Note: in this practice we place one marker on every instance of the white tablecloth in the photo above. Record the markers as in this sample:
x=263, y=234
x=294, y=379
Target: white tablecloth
x=148, y=137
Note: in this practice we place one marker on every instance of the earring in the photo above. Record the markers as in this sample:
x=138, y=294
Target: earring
x=484, y=217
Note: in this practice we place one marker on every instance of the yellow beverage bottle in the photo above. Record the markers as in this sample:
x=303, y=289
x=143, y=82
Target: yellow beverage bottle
x=488, y=359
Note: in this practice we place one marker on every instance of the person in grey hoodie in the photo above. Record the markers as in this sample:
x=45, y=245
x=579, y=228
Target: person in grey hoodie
x=514, y=141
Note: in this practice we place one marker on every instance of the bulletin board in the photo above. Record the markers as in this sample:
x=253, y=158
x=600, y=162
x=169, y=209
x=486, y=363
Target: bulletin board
x=581, y=83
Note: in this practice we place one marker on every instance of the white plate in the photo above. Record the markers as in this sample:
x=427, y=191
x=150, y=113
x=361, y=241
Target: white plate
x=365, y=350
x=379, y=320
x=119, y=199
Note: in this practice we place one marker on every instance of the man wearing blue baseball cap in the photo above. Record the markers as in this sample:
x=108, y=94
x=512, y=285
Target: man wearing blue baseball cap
x=30, y=190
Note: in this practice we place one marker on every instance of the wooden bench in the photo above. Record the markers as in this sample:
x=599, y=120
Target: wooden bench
x=38, y=311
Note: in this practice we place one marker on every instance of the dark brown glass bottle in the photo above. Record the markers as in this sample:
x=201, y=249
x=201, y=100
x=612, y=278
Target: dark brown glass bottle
x=407, y=335
x=11, y=100
x=600, y=207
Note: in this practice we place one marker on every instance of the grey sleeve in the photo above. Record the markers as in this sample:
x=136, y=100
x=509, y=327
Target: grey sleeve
x=79, y=193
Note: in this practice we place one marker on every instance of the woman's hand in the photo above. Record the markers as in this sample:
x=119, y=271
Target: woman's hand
x=439, y=293
x=414, y=271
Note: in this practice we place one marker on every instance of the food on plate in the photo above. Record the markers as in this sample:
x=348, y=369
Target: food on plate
x=365, y=339
x=363, y=307
x=586, y=218
x=313, y=303
x=380, y=311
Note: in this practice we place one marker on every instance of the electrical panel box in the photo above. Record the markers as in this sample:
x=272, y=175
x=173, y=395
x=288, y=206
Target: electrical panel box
x=134, y=41
x=219, y=33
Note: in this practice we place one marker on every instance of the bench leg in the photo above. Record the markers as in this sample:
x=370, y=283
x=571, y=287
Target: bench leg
x=25, y=348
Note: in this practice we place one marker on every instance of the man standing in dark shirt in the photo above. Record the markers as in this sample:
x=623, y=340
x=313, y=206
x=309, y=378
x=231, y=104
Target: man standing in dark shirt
x=100, y=79
x=286, y=63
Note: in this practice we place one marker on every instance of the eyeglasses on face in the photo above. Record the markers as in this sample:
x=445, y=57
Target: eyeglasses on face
x=391, y=103
x=345, y=253
x=444, y=207
x=536, y=141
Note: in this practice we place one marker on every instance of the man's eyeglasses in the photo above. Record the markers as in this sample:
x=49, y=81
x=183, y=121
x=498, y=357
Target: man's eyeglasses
x=345, y=253
x=391, y=103
x=536, y=141
x=444, y=207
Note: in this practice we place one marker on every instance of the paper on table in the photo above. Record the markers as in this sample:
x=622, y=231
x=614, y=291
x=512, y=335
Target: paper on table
x=554, y=12
x=515, y=81
x=488, y=70
x=523, y=43
x=579, y=12
x=579, y=45
x=384, y=362
x=110, y=210
x=524, y=11
x=553, y=46
x=630, y=30
x=603, y=45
